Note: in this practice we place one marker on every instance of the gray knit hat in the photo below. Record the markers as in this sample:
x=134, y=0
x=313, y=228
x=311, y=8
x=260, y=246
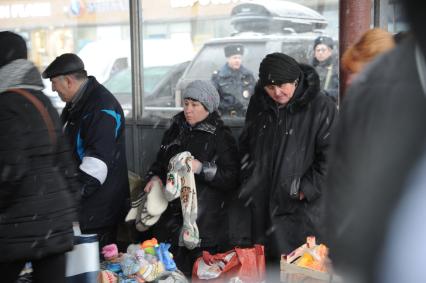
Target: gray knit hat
x=204, y=92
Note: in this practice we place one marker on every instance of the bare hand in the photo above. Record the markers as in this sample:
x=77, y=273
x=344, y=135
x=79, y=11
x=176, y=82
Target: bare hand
x=301, y=195
x=148, y=186
x=196, y=166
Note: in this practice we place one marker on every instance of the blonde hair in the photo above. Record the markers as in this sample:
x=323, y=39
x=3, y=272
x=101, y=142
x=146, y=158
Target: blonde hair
x=372, y=43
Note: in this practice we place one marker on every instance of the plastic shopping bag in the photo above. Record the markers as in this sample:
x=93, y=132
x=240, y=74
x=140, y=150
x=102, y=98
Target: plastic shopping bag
x=244, y=265
x=82, y=263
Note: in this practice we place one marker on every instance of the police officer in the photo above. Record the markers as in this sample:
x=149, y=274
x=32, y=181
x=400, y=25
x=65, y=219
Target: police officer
x=326, y=66
x=234, y=82
x=94, y=123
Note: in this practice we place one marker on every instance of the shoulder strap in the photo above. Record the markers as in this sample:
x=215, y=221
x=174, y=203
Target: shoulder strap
x=40, y=107
x=328, y=77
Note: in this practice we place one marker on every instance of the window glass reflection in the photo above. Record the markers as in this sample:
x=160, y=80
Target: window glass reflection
x=98, y=31
x=209, y=27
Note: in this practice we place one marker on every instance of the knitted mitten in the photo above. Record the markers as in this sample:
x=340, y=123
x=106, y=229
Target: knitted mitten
x=151, y=272
x=162, y=252
x=129, y=264
x=156, y=203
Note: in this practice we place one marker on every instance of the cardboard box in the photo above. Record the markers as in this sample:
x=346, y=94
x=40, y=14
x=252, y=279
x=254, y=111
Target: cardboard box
x=291, y=273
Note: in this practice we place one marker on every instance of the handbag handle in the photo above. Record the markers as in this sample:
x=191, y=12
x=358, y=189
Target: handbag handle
x=40, y=107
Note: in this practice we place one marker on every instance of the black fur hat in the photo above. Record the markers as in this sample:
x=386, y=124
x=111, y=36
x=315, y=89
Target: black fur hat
x=234, y=49
x=324, y=40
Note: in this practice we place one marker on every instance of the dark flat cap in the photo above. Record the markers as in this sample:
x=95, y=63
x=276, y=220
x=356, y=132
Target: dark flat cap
x=234, y=49
x=12, y=47
x=65, y=64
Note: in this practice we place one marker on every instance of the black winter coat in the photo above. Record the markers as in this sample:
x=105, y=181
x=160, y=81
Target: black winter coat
x=38, y=189
x=208, y=141
x=95, y=127
x=284, y=151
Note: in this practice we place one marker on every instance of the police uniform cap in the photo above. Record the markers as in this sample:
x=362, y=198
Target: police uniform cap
x=324, y=40
x=65, y=64
x=234, y=49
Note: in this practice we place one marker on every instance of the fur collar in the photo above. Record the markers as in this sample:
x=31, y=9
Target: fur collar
x=209, y=125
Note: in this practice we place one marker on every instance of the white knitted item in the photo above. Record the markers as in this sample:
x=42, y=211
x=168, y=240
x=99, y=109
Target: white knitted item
x=156, y=202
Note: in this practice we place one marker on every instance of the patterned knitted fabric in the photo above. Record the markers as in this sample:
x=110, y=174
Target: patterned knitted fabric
x=181, y=182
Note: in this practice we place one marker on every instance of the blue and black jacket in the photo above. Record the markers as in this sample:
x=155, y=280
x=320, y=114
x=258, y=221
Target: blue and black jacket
x=95, y=128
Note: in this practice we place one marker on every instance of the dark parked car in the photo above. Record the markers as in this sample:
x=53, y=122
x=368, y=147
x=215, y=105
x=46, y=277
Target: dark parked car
x=159, y=87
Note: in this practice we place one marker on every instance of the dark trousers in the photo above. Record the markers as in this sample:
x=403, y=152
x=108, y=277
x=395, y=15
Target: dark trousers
x=47, y=270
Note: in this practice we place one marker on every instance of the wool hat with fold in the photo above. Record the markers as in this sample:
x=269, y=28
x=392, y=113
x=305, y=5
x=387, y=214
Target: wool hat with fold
x=277, y=69
x=12, y=47
x=233, y=49
x=65, y=64
x=204, y=92
x=324, y=40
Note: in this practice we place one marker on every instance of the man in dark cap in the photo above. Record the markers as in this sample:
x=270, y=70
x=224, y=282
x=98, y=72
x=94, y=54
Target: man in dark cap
x=94, y=123
x=38, y=185
x=326, y=66
x=283, y=148
x=234, y=82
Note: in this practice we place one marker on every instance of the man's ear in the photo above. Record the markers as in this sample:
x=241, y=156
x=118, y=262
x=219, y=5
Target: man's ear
x=69, y=81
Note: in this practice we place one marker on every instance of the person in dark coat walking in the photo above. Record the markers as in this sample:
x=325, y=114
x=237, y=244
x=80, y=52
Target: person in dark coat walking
x=38, y=189
x=326, y=65
x=234, y=82
x=95, y=126
x=199, y=130
x=284, y=147
x=373, y=224
x=371, y=44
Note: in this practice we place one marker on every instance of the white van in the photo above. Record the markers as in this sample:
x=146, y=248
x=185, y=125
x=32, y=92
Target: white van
x=109, y=62
x=103, y=59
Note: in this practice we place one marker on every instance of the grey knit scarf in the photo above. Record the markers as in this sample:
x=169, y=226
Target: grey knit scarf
x=20, y=73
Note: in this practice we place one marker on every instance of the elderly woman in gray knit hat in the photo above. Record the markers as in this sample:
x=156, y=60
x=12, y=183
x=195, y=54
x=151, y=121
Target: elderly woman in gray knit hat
x=199, y=130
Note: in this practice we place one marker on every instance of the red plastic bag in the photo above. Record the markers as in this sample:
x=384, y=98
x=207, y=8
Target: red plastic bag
x=246, y=265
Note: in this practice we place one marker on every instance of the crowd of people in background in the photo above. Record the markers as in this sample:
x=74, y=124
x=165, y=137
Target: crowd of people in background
x=353, y=179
